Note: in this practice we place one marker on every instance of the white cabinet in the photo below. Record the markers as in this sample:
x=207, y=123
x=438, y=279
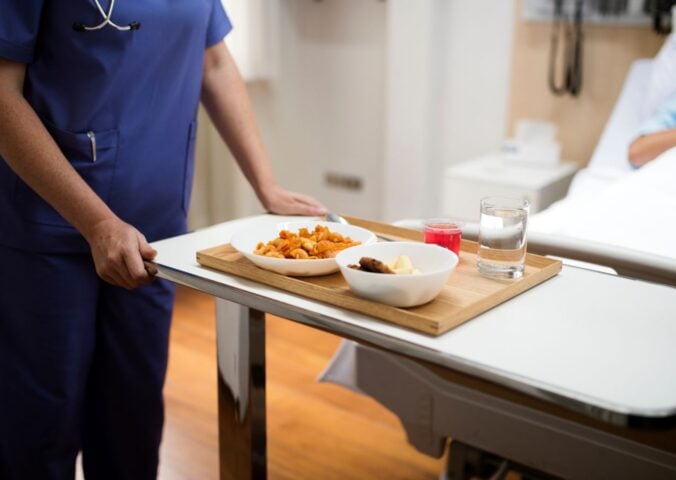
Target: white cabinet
x=465, y=184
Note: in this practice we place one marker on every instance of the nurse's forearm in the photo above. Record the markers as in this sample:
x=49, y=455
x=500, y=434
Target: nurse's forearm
x=31, y=152
x=648, y=147
x=226, y=100
x=118, y=249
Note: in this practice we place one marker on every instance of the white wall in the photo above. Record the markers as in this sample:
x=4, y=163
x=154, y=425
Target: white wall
x=448, y=70
x=411, y=73
x=389, y=91
x=478, y=59
x=323, y=110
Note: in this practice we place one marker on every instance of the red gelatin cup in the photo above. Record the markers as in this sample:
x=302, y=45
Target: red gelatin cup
x=444, y=232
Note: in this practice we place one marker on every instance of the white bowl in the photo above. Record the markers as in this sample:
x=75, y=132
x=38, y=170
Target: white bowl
x=245, y=242
x=435, y=264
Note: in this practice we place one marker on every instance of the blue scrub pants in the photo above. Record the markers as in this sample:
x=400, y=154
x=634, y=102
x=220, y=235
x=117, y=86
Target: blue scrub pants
x=82, y=365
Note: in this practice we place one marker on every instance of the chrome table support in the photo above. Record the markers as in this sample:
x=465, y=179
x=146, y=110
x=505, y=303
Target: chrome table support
x=240, y=339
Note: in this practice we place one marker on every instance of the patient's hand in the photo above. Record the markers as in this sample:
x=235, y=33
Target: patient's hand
x=648, y=147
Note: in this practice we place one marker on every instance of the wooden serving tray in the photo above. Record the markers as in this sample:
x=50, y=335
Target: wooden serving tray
x=466, y=294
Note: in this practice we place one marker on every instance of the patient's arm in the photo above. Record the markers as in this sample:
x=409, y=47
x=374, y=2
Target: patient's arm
x=647, y=147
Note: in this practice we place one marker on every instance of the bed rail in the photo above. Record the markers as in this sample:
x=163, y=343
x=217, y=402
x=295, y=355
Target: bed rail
x=626, y=262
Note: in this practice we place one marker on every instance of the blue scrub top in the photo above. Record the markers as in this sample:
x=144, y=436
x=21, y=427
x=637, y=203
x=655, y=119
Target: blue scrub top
x=137, y=91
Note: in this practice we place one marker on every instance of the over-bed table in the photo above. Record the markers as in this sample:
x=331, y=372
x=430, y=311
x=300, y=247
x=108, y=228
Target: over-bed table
x=576, y=377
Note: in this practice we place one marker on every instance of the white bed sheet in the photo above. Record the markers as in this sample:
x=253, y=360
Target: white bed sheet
x=636, y=211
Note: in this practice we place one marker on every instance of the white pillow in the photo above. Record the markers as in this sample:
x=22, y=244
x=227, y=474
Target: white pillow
x=662, y=84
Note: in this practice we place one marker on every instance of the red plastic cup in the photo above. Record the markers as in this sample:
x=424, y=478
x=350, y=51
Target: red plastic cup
x=444, y=232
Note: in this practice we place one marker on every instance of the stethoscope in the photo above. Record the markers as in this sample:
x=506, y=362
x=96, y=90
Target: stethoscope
x=81, y=27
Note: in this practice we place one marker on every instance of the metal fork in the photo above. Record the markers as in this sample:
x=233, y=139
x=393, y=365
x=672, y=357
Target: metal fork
x=332, y=217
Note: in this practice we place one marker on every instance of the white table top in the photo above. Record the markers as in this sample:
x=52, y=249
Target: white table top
x=594, y=342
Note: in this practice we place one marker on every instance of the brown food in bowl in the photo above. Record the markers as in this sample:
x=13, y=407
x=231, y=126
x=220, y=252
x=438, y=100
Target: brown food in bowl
x=400, y=266
x=321, y=243
x=373, y=265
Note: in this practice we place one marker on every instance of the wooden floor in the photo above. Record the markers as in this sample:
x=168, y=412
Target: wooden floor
x=315, y=431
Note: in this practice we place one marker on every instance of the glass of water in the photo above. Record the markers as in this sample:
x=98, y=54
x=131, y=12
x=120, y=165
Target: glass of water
x=502, y=237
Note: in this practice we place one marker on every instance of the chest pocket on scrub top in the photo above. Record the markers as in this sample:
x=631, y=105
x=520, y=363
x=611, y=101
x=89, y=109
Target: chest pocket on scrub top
x=93, y=155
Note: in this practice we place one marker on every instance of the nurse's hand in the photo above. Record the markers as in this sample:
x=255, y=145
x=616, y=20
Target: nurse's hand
x=119, y=252
x=278, y=200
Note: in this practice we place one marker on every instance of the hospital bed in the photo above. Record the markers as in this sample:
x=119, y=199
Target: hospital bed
x=613, y=214
x=614, y=219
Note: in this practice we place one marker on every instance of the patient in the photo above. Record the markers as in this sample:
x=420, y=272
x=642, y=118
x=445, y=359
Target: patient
x=656, y=136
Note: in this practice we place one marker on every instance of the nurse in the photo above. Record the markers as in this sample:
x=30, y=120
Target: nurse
x=98, y=101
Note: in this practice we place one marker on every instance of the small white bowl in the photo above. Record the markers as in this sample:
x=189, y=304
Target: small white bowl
x=245, y=242
x=435, y=264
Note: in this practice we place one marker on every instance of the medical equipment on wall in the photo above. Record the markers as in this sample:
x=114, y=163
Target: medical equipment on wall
x=598, y=12
x=107, y=20
x=570, y=79
x=663, y=12
x=566, y=41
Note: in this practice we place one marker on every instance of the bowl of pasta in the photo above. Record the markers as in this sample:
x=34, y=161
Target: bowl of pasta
x=300, y=249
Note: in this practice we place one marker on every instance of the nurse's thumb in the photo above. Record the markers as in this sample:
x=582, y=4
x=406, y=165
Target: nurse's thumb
x=146, y=251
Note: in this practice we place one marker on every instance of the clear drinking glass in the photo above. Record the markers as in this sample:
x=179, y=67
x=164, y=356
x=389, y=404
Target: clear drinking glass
x=502, y=237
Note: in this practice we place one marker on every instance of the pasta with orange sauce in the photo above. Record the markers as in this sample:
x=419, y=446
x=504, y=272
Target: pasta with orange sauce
x=318, y=244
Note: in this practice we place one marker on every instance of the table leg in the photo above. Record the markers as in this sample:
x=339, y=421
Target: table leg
x=240, y=338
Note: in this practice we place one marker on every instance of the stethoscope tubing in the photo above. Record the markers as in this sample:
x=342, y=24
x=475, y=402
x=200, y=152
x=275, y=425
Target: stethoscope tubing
x=107, y=20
